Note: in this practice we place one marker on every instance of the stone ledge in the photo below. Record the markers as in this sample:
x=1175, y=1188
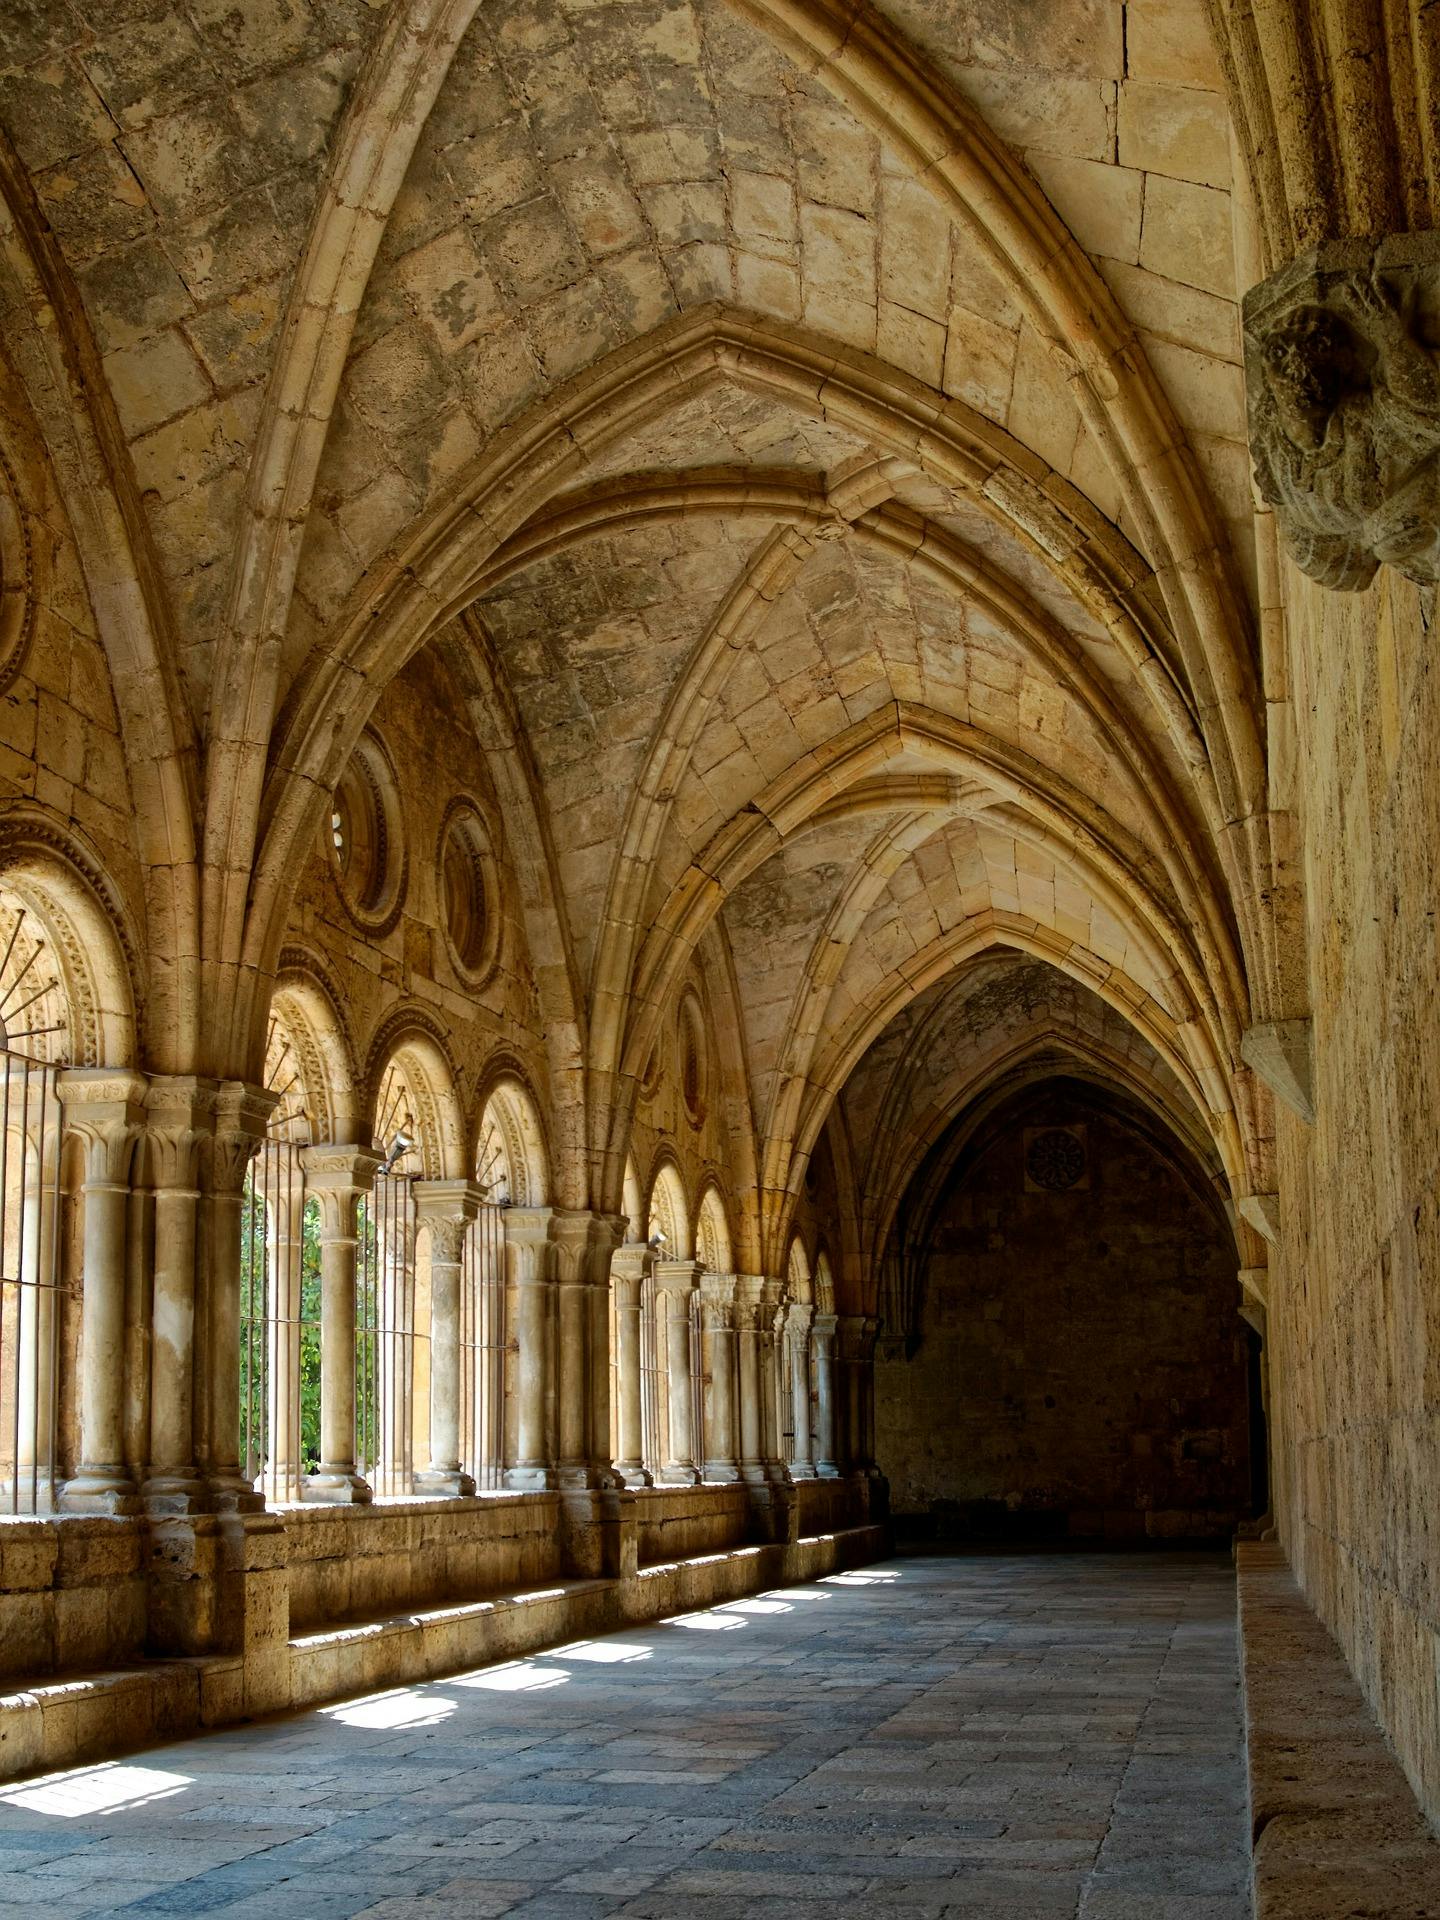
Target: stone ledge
x=1336, y=1830
x=88, y=1717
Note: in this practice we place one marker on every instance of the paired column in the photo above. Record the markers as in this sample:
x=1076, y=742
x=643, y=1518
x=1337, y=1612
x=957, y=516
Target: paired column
x=628, y=1268
x=527, y=1255
x=717, y=1322
x=583, y=1243
x=797, y=1335
x=179, y=1119
x=857, y=1348
x=749, y=1311
x=772, y=1323
x=338, y=1178
x=106, y=1112
x=676, y=1281
x=822, y=1343
x=240, y=1113
x=445, y=1208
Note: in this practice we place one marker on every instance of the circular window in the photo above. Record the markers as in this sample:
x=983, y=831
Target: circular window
x=1055, y=1160
x=469, y=894
x=366, y=845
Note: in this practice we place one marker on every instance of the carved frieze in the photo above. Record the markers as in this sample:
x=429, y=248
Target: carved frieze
x=1342, y=371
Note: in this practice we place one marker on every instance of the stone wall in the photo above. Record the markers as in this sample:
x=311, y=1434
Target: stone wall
x=1354, y=1319
x=1080, y=1368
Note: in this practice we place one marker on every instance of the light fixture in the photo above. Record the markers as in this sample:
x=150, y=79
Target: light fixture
x=399, y=1147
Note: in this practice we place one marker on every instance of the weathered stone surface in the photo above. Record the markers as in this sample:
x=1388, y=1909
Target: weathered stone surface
x=1343, y=374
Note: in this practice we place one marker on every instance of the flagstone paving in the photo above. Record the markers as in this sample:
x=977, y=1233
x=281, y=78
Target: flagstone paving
x=1015, y=1737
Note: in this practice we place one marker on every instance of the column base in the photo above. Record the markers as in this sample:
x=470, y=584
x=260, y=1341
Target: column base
x=445, y=1482
x=233, y=1493
x=797, y=1473
x=172, y=1496
x=336, y=1487
x=753, y=1474
x=529, y=1479
x=632, y=1474
x=587, y=1479
x=721, y=1473
x=827, y=1470
x=677, y=1476
x=100, y=1490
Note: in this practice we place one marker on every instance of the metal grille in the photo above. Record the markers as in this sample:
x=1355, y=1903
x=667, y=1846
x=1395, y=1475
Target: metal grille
x=482, y=1348
x=652, y=1373
x=279, y=1323
x=388, y=1347
x=29, y=1286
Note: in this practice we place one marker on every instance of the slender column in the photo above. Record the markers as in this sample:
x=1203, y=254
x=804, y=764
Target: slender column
x=338, y=1178
x=822, y=1339
x=676, y=1280
x=628, y=1267
x=446, y=1208
x=772, y=1319
x=606, y=1232
x=180, y=1116
x=797, y=1332
x=571, y=1234
x=284, y=1253
x=240, y=1112
x=866, y=1463
x=717, y=1321
x=527, y=1249
x=105, y=1111
x=749, y=1290
x=851, y=1332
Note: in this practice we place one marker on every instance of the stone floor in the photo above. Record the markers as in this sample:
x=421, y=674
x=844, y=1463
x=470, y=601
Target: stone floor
x=1015, y=1737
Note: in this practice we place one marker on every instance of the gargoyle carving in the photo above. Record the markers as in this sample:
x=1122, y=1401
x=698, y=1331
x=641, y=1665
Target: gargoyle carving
x=1342, y=371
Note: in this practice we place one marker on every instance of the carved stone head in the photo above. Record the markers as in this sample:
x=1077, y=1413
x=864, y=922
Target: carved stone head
x=1343, y=392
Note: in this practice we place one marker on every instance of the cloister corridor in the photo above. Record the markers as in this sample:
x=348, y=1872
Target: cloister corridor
x=1013, y=1737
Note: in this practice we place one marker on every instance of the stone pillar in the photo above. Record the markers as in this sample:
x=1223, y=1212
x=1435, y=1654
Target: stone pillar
x=606, y=1232
x=105, y=1111
x=797, y=1333
x=527, y=1252
x=822, y=1336
x=179, y=1120
x=749, y=1291
x=445, y=1208
x=583, y=1242
x=338, y=1178
x=772, y=1318
x=676, y=1280
x=851, y=1341
x=284, y=1254
x=717, y=1320
x=628, y=1267
x=239, y=1114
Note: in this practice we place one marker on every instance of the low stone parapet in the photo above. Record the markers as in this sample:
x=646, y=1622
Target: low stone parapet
x=1336, y=1830
x=677, y=1522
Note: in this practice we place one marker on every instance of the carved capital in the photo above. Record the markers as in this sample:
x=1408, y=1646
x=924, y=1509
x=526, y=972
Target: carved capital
x=241, y=1115
x=1342, y=382
x=339, y=1178
x=527, y=1238
x=106, y=1111
x=678, y=1276
x=446, y=1208
x=179, y=1119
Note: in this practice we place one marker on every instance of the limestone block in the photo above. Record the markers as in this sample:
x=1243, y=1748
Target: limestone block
x=1176, y=131
x=1187, y=235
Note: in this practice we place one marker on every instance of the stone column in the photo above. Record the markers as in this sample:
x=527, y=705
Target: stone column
x=717, y=1320
x=582, y=1242
x=179, y=1120
x=284, y=1256
x=772, y=1319
x=105, y=1111
x=240, y=1112
x=749, y=1291
x=527, y=1252
x=797, y=1333
x=676, y=1280
x=822, y=1337
x=338, y=1178
x=606, y=1232
x=851, y=1339
x=628, y=1267
x=445, y=1208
